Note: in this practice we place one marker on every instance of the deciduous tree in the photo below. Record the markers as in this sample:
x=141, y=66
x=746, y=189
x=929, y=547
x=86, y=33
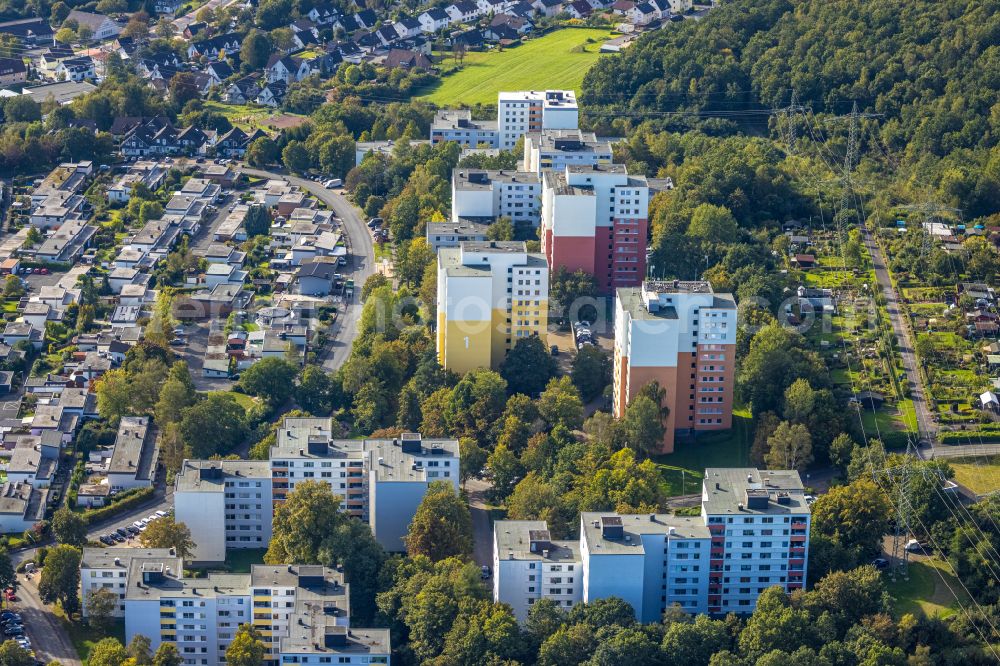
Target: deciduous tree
x=70, y=528
x=168, y=533
x=246, y=648
x=442, y=525
x=60, y=580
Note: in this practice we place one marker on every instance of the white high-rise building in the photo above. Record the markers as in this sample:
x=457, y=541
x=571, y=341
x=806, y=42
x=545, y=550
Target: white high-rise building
x=753, y=533
x=534, y=110
x=108, y=568
x=488, y=195
x=381, y=481
x=301, y=611
x=226, y=504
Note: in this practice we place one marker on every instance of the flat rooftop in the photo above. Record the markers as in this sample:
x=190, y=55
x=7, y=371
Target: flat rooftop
x=633, y=527
x=134, y=450
x=516, y=537
x=773, y=491
x=479, y=179
x=105, y=558
x=211, y=475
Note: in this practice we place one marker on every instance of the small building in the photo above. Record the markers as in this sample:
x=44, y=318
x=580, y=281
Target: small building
x=803, y=261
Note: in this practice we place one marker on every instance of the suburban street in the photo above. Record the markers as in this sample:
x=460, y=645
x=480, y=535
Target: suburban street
x=360, y=265
x=926, y=427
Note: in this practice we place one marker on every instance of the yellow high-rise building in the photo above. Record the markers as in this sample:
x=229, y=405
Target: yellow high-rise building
x=490, y=295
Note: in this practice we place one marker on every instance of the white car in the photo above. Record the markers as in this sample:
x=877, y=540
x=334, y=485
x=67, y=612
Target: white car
x=137, y=524
x=161, y=514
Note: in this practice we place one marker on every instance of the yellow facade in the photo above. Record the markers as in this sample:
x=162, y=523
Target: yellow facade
x=466, y=345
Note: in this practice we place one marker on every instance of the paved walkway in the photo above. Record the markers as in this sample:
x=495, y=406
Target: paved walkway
x=926, y=426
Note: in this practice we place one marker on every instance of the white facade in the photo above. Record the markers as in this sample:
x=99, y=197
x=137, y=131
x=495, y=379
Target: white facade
x=531, y=111
x=494, y=194
x=226, y=504
x=108, y=568
x=557, y=149
x=528, y=565
x=753, y=533
x=380, y=481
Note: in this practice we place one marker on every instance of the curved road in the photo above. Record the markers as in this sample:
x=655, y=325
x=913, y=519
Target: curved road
x=360, y=265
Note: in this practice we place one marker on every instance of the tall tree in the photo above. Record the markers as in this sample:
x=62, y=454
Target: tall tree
x=528, y=366
x=560, y=404
x=442, y=525
x=60, y=580
x=642, y=426
x=69, y=527
x=213, y=425
x=270, y=379
x=246, y=648
x=101, y=606
x=168, y=533
x=591, y=371
x=255, y=51
x=257, y=221
x=790, y=447
x=108, y=652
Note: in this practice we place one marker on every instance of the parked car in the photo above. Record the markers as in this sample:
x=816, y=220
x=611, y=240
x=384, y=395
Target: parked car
x=161, y=514
x=132, y=530
x=178, y=342
x=121, y=532
x=555, y=350
x=15, y=630
x=118, y=537
x=880, y=563
x=106, y=540
x=10, y=616
x=915, y=546
x=484, y=572
x=9, y=594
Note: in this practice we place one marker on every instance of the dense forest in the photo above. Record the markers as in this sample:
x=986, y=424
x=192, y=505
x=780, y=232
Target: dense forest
x=931, y=69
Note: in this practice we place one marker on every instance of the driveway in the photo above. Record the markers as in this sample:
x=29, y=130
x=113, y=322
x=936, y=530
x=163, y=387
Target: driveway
x=360, y=265
x=47, y=633
x=482, y=526
x=182, y=22
x=926, y=427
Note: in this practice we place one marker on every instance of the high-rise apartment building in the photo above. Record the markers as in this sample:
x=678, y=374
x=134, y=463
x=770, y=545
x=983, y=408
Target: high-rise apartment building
x=557, y=149
x=490, y=295
x=226, y=504
x=594, y=218
x=300, y=611
x=487, y=195
x=753, y=533
x=108, y=568
x=534, y=110
x=380, y=481
x=683, y=336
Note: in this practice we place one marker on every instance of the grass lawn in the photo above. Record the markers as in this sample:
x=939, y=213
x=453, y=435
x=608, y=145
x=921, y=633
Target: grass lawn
x=245, y=117
x=557, y=60
x=238, y=560
x=978, y=475
x=242, y=399
x=925, y=593
x=684, y=469
x=85, y=637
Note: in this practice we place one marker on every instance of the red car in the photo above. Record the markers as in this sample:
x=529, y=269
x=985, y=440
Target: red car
x=9, y=594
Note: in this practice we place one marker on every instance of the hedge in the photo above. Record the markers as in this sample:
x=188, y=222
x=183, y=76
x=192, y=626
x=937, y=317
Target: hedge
x=127, y=500
x=968, y=436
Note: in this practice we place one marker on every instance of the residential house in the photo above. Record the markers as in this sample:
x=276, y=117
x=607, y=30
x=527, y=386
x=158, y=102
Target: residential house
x=388, y=34
x=316, y=278
x=403, y=59
x=101, y=27
x=272, y=94
x=166, y=7
x=244, y=90
x=288, y=69
x=75, y=69
x=580, y=9
x=233, y=143
x=32, y=31
x=215, y=48
x=462, y=11
x=12, y=70
x=219, y=71
x=434, y=19
x=21, y=506
x=547, y=8
x=323, y=15
x=492, y=6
